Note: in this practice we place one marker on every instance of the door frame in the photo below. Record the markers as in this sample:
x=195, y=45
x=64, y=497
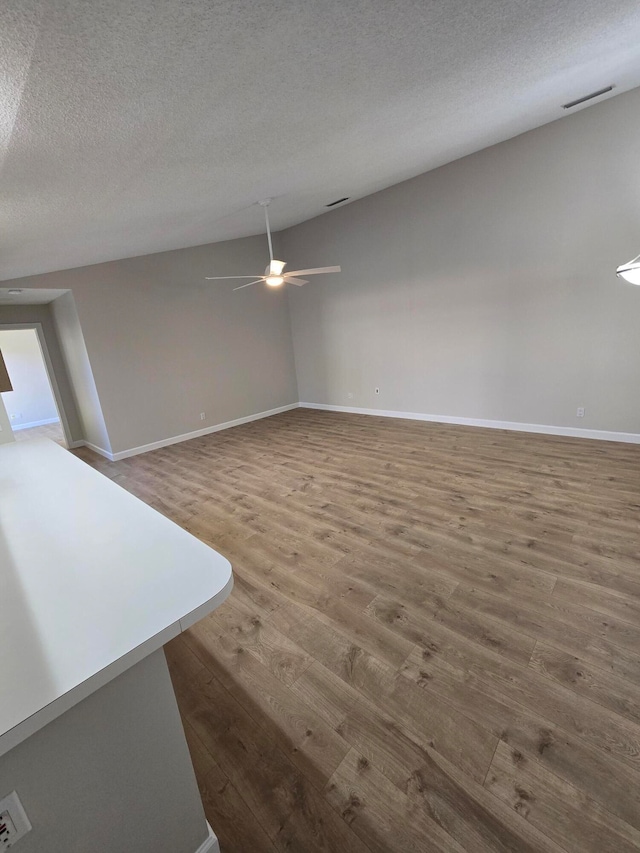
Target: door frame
x=48, y=366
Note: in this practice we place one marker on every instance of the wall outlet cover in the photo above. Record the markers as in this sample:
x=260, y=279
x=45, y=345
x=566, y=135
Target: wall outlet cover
x=14, y=823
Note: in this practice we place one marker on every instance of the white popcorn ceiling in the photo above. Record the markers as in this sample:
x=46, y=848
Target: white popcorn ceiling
x=136, y=127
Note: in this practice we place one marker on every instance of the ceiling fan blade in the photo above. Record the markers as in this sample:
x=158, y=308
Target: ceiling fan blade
x=257, y=281
x=314, y=271
x=298, y=281
x=220, y=277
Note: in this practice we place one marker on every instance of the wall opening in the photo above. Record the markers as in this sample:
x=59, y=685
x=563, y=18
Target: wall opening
x=33, y=407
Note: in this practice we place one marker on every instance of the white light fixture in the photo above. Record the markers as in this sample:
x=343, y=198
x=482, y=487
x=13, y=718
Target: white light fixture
x=274, y=280
x=630, y=271
x=274, y=273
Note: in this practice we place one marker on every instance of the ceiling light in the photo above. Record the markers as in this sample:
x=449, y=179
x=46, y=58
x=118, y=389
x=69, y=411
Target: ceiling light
x=274, y=280
x=630, y=271
x=14, y=291
x=276, y=267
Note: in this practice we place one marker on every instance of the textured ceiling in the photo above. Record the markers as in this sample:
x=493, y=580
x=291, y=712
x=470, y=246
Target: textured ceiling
x=136, y=127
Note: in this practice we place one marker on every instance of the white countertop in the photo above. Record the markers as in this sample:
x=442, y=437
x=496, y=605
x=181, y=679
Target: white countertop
x=92, y=580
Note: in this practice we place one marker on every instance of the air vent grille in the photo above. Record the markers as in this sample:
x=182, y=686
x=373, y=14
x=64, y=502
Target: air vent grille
x=587, y=98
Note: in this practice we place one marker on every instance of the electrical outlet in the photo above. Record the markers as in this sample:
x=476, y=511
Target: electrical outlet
x=377, y=390
x=8, y=830
x=16, y=415
x=202, y=416
x=350, y=395
x=580, y=412
x=14, y=823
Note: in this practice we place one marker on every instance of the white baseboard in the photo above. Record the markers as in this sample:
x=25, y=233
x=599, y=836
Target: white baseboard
x=546, y=429
x=176, y=439
x=210, y=845
x=106, y=453
x=15, y=427
x=601, y=435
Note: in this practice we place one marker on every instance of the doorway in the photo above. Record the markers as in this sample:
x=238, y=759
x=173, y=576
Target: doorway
x=33, y=406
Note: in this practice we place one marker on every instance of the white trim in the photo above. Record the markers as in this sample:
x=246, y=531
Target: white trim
x=176, y=439
x=14, y=427
x=602, y=435
x=210, y=844
x=106, y=453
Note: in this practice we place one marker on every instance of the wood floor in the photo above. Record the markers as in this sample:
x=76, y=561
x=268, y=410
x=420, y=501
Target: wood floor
x=433, y=642
x=52, y=431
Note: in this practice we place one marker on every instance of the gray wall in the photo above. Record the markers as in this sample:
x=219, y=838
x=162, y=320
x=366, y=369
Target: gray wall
x=42, y=314
x=165, y=345
x=76, y=358
x=6, y=433
x=486, y=288
x=112, y=774
x=31, y=400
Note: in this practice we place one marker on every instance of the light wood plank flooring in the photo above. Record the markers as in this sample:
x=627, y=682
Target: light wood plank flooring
x=52, y=431
x=433, y=642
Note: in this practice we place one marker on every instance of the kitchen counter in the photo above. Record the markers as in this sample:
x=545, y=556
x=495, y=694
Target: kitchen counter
x=91, y=581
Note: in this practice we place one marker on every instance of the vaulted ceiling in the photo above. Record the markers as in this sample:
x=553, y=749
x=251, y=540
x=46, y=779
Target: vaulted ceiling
x=136, y=127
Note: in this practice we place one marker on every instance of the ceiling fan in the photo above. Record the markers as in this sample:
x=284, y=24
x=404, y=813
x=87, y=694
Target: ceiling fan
x=274, y=274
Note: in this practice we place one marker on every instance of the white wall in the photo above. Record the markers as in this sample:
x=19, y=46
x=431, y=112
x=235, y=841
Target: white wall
x=165, y=345
x=31, y=402
x=485, y=289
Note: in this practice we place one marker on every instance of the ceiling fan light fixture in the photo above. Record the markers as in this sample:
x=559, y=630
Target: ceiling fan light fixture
x=273, y=274
x=274, y=280
x=630, y=271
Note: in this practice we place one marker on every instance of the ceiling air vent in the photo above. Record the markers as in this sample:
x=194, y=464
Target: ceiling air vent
x=337, y=201
x=587, y=98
